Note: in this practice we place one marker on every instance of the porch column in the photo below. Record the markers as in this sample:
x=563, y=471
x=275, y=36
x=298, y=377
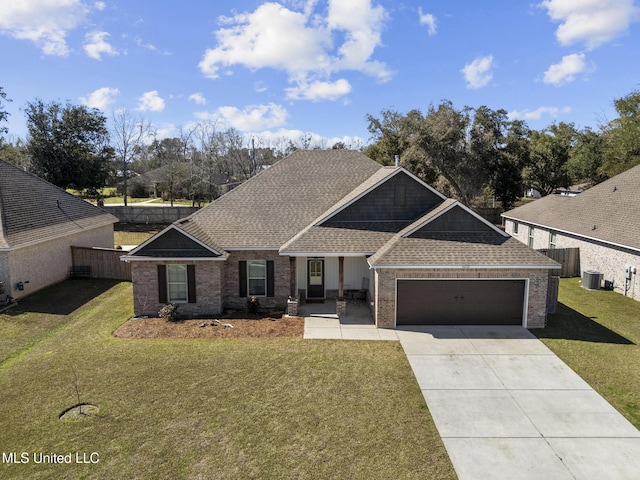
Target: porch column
x=293, y=278
x=340, y=278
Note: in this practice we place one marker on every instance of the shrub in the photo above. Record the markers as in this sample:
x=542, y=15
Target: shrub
x=168, y=312
x=253, y=304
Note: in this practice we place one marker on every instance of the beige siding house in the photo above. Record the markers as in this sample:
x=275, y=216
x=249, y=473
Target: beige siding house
x=335, y=225
x=39, y=223
x=603, y=222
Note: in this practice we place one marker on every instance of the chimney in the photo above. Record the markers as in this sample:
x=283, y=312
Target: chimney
x=397, y=160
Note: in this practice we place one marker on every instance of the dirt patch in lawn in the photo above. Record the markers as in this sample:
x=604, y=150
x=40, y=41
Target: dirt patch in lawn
x=259, y=327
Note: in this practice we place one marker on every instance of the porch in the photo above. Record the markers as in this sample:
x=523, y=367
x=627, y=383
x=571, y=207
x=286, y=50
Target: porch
x=322, y=322
x=324, y=278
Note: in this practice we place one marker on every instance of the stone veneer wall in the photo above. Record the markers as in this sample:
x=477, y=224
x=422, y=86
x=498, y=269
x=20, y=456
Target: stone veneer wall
x=282, y=275
x=209, y=280
x=385, y=290
x=607, y=259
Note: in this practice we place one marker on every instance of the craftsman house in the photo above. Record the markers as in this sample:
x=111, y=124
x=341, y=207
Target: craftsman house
x=39, y=223
x=331, y=224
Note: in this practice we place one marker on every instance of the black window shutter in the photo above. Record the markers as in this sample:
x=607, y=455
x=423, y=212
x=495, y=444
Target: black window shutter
x=191, y=283
x=242, y=274
x=270, y=279
x=162, y=283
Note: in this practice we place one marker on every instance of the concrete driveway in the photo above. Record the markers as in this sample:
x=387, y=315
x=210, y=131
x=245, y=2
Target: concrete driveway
x=506, y=407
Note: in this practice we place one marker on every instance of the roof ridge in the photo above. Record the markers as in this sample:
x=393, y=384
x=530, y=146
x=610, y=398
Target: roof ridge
x=343, y=202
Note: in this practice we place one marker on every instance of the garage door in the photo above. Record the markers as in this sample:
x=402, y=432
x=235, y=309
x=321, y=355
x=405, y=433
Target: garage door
x=460, y=302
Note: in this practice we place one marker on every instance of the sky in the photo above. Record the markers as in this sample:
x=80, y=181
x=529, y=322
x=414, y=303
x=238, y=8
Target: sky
x=288, y=68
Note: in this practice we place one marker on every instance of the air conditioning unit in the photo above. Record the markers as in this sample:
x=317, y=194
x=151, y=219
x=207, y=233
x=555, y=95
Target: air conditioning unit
x=591, y=279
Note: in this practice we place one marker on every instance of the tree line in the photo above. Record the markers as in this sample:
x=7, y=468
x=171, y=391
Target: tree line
x=471, y=153
x=467, y=153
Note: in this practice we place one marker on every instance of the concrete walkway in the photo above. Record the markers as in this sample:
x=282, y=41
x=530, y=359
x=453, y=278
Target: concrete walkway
x=505, y=406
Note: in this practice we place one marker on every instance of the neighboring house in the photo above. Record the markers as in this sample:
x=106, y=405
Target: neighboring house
x=603, y=222
x=155, y=183
x=39, y=223
x=334, y=224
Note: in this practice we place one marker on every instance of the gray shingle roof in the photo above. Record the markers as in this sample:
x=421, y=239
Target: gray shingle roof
x=611, y=207
x=364, y=238
x=266, y=211
x=33, y=210
x=464, y=249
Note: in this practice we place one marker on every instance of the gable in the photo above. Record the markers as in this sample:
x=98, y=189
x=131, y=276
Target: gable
x=454, y=220
x=173, y=244
x=400, y=198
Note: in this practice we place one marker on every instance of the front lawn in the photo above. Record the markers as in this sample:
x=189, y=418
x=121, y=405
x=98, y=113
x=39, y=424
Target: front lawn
x=229, y=408
x=597, y=333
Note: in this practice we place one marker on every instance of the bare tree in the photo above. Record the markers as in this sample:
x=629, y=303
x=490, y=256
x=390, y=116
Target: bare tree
x=127, y=133
x=206, y=159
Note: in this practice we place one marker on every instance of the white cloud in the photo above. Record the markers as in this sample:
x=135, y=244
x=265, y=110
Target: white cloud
x=477, y=74
x=301, y=42
x=565, y=71
x=150, y=102
x=101, y=98
x=428, y=20
x=279, y=139
x=537, y=114
x=44, y=22
x=592, y=22
x=361, y=24
x=271, y=36
x=96, y=45
x=316, y=91
x=100, y=6
x=251, y=118
x=198, y=98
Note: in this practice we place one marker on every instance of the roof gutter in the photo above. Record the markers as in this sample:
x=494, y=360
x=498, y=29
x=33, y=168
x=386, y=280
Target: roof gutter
x=468, y=267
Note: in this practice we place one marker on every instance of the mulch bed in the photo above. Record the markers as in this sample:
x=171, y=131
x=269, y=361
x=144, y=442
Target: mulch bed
x=258, y=327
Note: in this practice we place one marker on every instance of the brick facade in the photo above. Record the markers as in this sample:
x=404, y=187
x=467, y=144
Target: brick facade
x=217, y=284
x=605, y=258
x=209, y=280
x=385, y=289
x=282, y=277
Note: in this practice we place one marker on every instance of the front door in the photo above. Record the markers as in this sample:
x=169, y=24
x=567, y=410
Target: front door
x=315, y=278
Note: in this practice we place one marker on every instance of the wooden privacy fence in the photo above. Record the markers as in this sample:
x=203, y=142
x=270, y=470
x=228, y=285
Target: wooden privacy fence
x=569, y=258
x=552, y=294
x=102, y=262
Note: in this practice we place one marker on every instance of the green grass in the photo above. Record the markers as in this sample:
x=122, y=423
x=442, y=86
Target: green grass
x=120, y=199
x=134, y=233
x=223, y=409
x=597, y=333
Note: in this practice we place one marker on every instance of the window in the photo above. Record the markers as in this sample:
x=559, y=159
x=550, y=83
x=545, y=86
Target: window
x=515, y=228
x=177, y=283
x=257, y=277
x=553, y=240
x=532, y=232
